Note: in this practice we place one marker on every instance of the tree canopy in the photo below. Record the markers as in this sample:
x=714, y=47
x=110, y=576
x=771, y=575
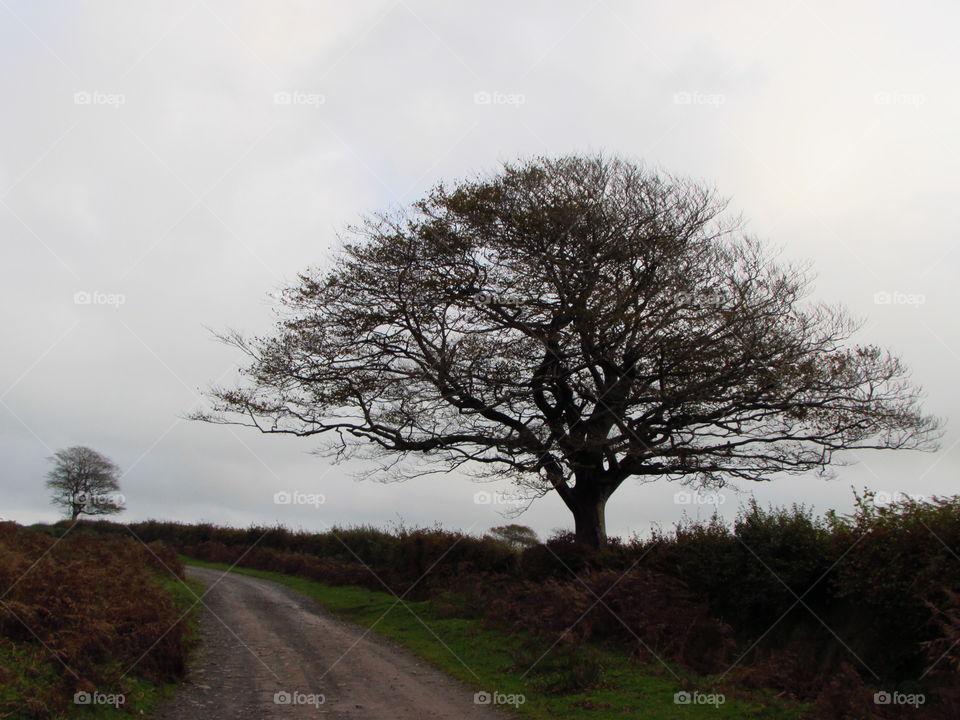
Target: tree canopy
x=571, y=323
x=84, y=482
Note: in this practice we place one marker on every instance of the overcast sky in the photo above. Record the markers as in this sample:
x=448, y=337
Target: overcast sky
x=165, y=167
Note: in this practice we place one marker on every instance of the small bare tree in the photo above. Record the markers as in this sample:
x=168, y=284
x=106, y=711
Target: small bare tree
x=84, y=482
x=572, y=323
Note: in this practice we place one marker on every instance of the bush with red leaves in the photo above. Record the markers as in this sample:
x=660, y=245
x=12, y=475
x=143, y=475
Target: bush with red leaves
x=93, y=606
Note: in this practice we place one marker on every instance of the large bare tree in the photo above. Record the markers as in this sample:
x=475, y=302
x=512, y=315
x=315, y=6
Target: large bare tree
x=84, y=482
x=572, y=323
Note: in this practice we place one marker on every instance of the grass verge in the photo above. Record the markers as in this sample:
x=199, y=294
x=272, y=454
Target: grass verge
x=496, y=662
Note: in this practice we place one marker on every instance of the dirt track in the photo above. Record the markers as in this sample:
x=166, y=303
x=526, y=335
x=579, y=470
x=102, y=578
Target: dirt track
x=260, y=638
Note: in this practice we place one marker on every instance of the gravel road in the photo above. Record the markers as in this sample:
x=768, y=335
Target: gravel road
x=269, y=652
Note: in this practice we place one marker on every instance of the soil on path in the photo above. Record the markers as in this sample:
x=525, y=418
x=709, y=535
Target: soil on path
x=269, y=652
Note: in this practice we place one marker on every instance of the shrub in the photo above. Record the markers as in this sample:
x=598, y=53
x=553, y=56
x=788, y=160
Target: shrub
x=560, y=558
x=645, y=611
x=755, y=571
x=899, y=565
x=96, y=603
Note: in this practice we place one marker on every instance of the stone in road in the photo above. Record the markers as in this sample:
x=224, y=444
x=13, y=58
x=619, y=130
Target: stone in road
x=260, y=638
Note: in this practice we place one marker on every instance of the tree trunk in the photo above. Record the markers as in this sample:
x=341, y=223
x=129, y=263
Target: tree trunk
x=589, y=514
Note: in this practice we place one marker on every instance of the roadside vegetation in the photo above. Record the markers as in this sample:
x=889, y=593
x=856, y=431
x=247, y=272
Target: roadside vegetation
x=851, y=617
x=90, y=625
